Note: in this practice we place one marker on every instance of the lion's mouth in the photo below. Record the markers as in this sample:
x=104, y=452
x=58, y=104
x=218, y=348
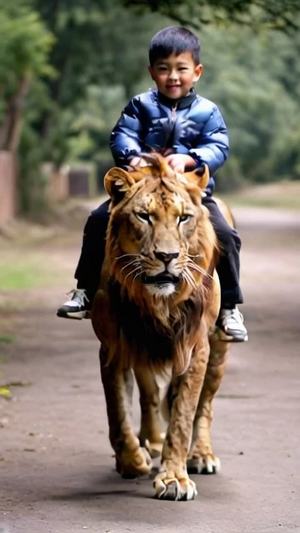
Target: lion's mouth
x=160, y=279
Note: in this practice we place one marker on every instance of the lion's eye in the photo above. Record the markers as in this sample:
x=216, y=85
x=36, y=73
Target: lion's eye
x=144, y=217
x=184, y=218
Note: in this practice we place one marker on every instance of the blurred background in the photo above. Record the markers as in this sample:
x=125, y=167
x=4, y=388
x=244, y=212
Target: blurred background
x=68, y=68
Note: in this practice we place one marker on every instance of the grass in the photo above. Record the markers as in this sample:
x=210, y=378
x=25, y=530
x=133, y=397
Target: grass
x=7, y=339
x=279, y=195
x=26, y=274
x=25, y=268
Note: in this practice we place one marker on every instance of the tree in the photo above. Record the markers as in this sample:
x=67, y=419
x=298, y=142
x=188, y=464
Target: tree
x=70, y=116
x=68, y=68
x=276, y=14
x=255, y=82
x=90, y=51
x=24, y=49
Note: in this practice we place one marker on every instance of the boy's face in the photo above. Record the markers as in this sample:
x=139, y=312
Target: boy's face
x=175, y=75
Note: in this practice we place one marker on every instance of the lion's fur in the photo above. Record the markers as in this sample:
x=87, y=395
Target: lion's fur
x=158, y=300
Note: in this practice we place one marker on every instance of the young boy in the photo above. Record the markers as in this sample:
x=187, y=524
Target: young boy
x=171, y=119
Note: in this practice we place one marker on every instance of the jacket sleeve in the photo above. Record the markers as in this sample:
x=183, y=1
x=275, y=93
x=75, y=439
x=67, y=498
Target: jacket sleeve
x=125, y=140
x=213, y=142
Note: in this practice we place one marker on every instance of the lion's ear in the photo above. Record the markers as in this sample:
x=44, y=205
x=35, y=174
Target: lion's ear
x=117, y=182
x=200, y=175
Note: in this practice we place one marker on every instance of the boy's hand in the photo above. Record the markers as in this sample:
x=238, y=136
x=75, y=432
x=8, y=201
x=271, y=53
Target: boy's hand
x=180, y=162
x=138, y=162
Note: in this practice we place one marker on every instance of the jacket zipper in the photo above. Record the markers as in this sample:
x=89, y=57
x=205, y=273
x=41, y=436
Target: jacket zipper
x=174, y=115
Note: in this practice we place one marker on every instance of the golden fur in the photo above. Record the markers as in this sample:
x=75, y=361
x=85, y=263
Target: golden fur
x=155, y=314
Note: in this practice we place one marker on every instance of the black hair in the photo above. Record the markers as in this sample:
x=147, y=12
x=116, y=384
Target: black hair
x=174, y=40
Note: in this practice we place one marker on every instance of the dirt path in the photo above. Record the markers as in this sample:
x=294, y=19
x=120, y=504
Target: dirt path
x=56, y=466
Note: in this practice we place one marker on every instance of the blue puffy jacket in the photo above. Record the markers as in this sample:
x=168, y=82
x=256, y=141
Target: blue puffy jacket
x=194, y=126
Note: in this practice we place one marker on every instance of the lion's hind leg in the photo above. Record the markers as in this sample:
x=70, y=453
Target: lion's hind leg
x=131, y=459
x=201, y=458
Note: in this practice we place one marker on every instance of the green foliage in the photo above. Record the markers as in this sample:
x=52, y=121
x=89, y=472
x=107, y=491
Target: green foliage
x=91, y=125
x=85, y=59
x=70, y=117
x=275, y=14
x=24, y=49
x=251, y=80
x=24, y=46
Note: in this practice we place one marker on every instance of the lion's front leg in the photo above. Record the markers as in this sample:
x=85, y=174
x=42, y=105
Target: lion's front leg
x=173, y=482
x=202, y=459
x=150, y=435
x=131, y=459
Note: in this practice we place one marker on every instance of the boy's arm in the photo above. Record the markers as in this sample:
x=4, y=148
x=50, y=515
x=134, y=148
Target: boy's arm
x=213, y=143
x=125, y=140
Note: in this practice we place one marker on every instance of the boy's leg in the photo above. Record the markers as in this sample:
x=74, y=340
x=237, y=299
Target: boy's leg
x=228, y=268
x=89, y=265
x=91, y=258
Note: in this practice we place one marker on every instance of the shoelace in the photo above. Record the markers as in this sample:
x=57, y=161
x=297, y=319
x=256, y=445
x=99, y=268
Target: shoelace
x=232, y=316
x=79, y=295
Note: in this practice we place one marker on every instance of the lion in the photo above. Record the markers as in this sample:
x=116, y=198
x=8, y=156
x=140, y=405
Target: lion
x=155, y=315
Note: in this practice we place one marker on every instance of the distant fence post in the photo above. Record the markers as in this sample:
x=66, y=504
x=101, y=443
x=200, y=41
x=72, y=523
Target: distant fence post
x=8, y=200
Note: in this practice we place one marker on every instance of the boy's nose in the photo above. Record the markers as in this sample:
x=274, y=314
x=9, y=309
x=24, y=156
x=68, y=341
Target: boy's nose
x=173, y=75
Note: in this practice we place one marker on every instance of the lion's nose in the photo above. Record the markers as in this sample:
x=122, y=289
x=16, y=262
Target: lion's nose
x=166, y=257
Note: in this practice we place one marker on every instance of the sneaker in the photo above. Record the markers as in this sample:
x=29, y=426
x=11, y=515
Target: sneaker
x=77, y=307
x=231, y=322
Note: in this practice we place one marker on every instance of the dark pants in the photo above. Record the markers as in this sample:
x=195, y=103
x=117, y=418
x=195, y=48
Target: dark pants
x=228, y=266
x=93, y=248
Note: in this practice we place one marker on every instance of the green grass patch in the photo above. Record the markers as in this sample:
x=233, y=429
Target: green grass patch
x=21, y=274
x=278, y=195
x=7, y=339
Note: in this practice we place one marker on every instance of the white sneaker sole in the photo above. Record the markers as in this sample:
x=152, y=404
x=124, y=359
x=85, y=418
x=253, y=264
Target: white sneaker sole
x=230, y=338
x=78, y=315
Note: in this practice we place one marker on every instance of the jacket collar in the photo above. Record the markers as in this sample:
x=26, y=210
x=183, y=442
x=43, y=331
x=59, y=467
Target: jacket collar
x=182, y=103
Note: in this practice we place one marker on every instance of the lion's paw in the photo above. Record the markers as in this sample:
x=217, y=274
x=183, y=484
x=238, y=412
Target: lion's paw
x=133, y=463
x=210, y=464
x=174, y=489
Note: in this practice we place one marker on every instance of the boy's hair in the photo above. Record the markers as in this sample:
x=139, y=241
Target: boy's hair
x=174, y=40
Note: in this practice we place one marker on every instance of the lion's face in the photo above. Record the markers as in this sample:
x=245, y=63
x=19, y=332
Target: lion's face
x=154, y=230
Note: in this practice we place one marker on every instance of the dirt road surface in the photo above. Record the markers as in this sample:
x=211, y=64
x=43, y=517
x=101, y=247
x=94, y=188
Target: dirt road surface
x=56, y=466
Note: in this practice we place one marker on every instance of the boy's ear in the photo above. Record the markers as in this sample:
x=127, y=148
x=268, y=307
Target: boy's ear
x=198, y=71
x=200, y=175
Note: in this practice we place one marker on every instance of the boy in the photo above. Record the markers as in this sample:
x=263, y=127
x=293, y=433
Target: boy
x=172, y=119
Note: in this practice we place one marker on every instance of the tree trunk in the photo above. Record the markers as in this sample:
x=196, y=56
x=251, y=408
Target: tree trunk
x=11, y=128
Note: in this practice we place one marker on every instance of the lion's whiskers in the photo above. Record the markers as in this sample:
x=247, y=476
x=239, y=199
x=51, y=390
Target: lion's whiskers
x=138, y=269
x=135, y=262
x=198, y=268
x=187, y=276
x=123, y=256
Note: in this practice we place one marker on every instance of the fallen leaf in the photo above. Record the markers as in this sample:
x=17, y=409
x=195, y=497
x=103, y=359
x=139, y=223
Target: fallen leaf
x=5, y=392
